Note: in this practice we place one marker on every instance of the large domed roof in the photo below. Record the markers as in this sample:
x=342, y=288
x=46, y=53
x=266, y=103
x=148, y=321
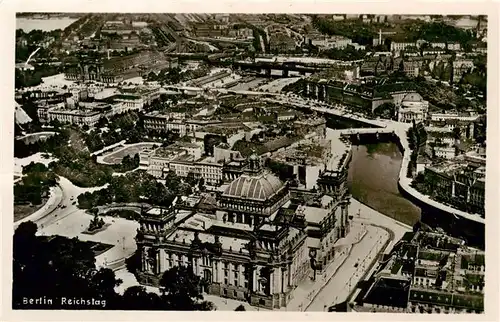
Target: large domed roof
x=261, y=186
x=413, y=97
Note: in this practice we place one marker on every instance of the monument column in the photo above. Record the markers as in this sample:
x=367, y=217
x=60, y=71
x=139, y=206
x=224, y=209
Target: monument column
x=342, y=221
x=199, y=262
x=160, y=259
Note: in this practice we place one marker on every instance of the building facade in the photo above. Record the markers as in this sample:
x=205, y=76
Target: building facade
x=58, y=112
x=413, y=108
x=256, y=244
x=400, y=46
x=465, y=184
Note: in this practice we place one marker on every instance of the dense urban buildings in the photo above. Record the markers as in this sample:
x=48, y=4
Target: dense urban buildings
x=298, y=162
x=286, y=236
x=427, y=273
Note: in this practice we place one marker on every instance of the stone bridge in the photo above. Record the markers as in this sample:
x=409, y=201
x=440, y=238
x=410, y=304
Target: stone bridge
x=357, y=133
x=336, y=110
x=367, y=131
x=285, y=67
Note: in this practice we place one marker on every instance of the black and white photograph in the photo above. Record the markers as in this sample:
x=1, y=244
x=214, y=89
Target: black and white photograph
x=299, y=162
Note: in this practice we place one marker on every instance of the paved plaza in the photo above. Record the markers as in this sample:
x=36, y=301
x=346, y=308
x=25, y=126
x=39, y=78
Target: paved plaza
x=65, y=219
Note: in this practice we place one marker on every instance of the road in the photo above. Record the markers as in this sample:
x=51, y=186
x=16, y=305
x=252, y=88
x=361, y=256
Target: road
x=210, y=46
x=54, y=201
x=64, y=207
x=64, y=218
x=361, y=259
x=299, y=39
x=72, y=34
x=262, y=43
x=315, y=105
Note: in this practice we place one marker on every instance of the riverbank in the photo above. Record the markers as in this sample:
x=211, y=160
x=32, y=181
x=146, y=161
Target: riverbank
x=400, y=131
x=373, y=180
x=454, y=222
x=383, y=185
x=405, y=184
x=29, y=24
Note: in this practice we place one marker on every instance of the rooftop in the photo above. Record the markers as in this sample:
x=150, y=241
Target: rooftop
x=431, y=255
x=75, y=112
x=228, y=243
x=306, y=152
x=477, y=259
x=313, y=214
x=466, y=301
x=388, y=292
x=168, y=152
x=258, y=187
x=447, y=168
x=413, y=97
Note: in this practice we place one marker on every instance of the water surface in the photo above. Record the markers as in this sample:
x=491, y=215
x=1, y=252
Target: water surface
x=28, y=24
x=373, y=180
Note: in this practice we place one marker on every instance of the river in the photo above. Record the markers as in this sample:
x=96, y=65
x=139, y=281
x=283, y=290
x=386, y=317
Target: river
x=373, y=180
x=29, y=24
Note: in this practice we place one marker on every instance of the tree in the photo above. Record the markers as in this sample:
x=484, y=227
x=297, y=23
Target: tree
x=133, y=263
x=417, y=226
x=57, y=267
x=386, y=110
x=457, y=132
x=201, y=184
x=191, y=179
x=182, y=289
x=106, y=281
x=24, y=236
x=137, y=298
x=66, y=265
x=103, y=121
x=172, y=181
x=55, y=123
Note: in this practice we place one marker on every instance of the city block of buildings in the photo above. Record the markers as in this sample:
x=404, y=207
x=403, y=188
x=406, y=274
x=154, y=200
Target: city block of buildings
x=255, y=238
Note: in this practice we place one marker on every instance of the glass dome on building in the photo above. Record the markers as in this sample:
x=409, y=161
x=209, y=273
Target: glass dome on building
x=255, y=183
x=260, y=187
x=412, y=98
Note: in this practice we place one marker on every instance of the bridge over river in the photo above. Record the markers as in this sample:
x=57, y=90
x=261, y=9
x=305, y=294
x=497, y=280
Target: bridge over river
x=454, y=221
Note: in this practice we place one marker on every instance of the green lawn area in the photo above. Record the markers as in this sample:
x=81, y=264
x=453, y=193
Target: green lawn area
x=23, y=211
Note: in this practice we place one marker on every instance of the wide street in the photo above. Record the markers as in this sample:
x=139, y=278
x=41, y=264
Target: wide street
x=360, y=259
x=64, y=218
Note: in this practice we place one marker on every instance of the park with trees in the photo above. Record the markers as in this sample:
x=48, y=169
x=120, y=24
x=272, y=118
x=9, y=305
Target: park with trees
x=136, y=187
x=417, y=138
x=57, y=267
x=33, y=189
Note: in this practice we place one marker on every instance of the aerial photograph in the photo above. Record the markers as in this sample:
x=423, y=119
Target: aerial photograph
x=249, y=162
